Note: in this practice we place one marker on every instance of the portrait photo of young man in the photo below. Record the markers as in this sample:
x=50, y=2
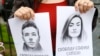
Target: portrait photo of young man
x=31, y=37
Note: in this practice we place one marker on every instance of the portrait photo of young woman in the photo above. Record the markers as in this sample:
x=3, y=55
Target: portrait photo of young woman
x=73, y=29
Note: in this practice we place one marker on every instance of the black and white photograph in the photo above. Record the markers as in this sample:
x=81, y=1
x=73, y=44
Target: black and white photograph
x=73, y=29
x=31, y=37
x=74, y=32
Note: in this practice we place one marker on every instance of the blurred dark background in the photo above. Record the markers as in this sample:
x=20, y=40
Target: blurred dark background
x=5, y=8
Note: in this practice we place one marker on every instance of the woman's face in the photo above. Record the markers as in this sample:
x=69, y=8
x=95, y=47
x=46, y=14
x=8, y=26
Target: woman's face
x=74, y=28
x=30, y=36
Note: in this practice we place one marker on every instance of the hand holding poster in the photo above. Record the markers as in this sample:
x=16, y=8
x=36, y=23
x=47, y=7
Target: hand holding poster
x=74, y=32
x=30, y=37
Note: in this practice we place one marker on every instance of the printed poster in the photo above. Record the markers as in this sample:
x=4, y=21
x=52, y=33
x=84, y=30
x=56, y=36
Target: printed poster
x=32, y=37
x=74, y=32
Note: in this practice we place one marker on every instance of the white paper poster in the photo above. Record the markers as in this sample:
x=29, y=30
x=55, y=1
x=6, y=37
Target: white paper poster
x=32, y=37
x=74, y=32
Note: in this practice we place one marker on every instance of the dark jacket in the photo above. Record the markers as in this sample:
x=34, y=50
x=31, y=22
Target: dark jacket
x=29, y=3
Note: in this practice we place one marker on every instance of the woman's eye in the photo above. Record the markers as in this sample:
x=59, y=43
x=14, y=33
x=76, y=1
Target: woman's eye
x=70, y=25
x=78, y=24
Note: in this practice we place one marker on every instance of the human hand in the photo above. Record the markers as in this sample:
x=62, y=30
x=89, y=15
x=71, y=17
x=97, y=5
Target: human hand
x=24, y=13
x=83, y=5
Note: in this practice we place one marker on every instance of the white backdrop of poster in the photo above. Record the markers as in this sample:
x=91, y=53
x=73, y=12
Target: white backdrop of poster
x=73, y=47
x=42, y=22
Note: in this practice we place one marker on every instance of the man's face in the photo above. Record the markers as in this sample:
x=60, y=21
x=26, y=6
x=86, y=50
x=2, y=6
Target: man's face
x=75, y=27
x=30, y=36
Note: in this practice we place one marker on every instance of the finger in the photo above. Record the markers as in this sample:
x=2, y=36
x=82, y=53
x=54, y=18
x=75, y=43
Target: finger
x=23, y=11
x=77, y=5
x=27, y=16
x=26, y=13
x=88, y=6
x=21, y=16
x=85, y=7
x=91, y=4
x=18, y=14
x=81, y=9
x=81, y=6
x=31, y=13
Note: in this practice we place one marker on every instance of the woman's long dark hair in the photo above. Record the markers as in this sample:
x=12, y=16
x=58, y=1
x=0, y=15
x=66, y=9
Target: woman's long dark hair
x=65, y=28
